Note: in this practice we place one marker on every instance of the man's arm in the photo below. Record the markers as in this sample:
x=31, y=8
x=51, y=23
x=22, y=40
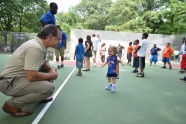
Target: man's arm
x=40, y=76
x=45, y=73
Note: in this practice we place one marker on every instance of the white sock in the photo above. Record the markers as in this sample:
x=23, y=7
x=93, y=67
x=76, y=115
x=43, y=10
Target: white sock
x=109, y=83
x=113, y=85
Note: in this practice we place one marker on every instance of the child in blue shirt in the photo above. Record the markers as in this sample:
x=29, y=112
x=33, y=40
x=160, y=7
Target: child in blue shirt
x=113, y=68
x=79, y=55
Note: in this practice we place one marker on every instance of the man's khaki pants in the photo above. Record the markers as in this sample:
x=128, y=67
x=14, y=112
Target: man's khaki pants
x=25, y=94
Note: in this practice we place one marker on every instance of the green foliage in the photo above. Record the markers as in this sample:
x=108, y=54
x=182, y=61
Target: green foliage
x=21, y=15
x=153, y=16
x=94, y=13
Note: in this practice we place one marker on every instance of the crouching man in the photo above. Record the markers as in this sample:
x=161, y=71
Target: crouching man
x=27, y=76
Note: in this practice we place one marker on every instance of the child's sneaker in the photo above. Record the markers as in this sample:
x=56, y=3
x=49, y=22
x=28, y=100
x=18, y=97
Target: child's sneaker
x=135, y=71
x=140, y=75
x=113, y=89
x=62, y=65
x=108, y=87
x=58, y=66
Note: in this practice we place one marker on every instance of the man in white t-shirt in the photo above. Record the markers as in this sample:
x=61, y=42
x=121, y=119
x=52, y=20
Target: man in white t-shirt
x=95, y=41
x=141, y=52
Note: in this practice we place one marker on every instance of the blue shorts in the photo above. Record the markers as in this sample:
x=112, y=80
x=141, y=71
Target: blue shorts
x=154, y=58
x=165, y=59
x=79, y=63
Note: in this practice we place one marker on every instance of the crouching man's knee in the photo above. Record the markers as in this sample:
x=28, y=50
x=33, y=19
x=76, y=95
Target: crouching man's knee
x=48, y=89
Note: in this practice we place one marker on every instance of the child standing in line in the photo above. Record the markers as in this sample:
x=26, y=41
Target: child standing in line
x=102, y=52
x=129, y=53
x=135, y=56
x=167, y=53
x=113, y=68
x=154, y=54
x=79, y=55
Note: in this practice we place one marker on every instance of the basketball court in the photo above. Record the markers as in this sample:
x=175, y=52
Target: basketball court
x=159, y=98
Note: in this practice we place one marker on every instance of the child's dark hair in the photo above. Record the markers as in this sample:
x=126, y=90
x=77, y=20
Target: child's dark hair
x=137, y=41
x=80, y=40
x=89, y=38
x=103, y=44
x=130, y=43
x=114, y=49
x=145, y=35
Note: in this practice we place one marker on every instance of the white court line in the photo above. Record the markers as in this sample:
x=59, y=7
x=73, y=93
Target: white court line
x=41, y=114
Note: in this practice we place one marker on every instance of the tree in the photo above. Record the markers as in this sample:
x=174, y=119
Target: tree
x=94, y=13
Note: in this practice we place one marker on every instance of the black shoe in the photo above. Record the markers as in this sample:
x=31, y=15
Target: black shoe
x=183, y=79
x=164, y=67
x=135, y=71
x=181, y=71
x=170, y=67
x=62, y=65
x=59, y=66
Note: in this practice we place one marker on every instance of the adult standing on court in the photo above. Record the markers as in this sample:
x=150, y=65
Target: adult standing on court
x=60, y=49
x=95, y=41
x=88, y=53
x=154, y=54
x=183, y=57
x=49, y=18
x=167, y=53
x=141, y=52
x=26, y=76
x=120, y=49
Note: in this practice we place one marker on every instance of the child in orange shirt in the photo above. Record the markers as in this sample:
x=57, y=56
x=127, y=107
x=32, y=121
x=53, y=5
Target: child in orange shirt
x=167, y=52
x=129, y=53
x=135, y=56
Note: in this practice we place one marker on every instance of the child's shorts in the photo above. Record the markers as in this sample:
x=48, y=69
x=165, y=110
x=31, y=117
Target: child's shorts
x=136, y=62
x=79, y=63
x=154, y=58
x=112, y=76
x=165, y=59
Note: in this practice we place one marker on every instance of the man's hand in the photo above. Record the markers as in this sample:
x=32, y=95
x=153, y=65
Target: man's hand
x=54, y=73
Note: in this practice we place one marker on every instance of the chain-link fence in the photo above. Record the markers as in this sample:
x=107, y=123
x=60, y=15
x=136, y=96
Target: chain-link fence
x=10, y=41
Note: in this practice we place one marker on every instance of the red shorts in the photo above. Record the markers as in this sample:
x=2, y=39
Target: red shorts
x=183, y=61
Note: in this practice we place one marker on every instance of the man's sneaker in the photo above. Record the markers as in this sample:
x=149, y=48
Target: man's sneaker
x=113, y=89
x=170, y=67
x=78, y=74
x=164, y=67
x=135, y=71
x=108, y=87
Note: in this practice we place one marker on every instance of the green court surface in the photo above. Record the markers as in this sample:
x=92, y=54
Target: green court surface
x=158, y=98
